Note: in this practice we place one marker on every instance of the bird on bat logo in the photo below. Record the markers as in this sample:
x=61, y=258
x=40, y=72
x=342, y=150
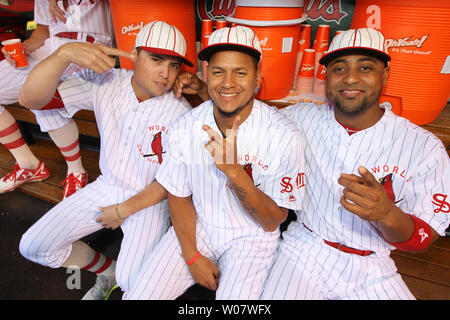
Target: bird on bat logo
x=156, y=146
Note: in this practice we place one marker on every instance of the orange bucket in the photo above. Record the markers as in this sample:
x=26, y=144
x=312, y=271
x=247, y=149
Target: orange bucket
x=418, y=40
x=130, y=16
x=276, y=23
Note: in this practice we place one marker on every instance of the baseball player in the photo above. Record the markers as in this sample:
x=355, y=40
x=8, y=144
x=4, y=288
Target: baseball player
x=231, y=174
x=375, y=183
x=85, y=20
x=132, y=110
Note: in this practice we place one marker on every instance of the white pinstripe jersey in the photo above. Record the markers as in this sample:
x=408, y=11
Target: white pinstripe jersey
x=267, y=141
x=127, y=127
x=85, y=17
x=394, y=149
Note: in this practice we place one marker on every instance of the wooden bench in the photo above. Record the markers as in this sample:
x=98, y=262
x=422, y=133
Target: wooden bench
x=427, y=274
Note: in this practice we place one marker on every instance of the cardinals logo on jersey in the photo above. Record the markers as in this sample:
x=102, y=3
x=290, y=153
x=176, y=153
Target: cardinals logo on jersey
x=156, y=146
x=386, y=182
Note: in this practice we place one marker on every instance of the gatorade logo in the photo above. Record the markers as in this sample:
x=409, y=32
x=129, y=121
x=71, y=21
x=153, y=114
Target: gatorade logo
x=410, y=41
x=132, y=27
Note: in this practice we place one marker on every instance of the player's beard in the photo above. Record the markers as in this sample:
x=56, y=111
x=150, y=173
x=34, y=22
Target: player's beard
x=235, y=111
x=352, y=110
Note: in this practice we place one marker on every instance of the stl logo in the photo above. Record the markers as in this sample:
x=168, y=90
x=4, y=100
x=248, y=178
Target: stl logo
x=286, y=184
x=440, y=203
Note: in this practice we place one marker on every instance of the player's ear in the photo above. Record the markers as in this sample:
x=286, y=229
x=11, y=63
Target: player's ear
x=133, y=54
x=258, y=77
x=385, y=74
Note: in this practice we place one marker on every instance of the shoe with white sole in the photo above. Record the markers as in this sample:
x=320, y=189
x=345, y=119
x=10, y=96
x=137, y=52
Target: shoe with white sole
x=102, y=289
x=20, y=176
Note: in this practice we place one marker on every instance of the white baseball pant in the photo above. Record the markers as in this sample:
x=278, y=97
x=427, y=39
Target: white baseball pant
x=49, y=241
x=306, y=268
x=243, y=257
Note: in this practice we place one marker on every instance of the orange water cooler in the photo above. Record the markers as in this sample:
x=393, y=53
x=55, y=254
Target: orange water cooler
x=418, y=40
x=130, y=16
x=277, y=25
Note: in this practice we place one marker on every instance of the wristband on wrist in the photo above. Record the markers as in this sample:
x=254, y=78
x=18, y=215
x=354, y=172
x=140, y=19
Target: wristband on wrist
x=116, y=208
x=194, y=258
x=420, y=239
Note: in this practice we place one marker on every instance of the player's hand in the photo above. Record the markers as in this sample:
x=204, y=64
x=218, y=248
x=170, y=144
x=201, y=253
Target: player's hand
x=223, y=150
x=56, y=12
x=365, y=196
x=109, y=218
x=8, y=58
x=96, y=57
x=188, y=83
x=205, y=273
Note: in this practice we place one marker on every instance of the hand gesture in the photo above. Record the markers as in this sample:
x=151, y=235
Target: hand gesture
x=109, y=217
x=205, y=273
x=187, y=83
x=365, y=196
x=223, y=150
x=96, y=57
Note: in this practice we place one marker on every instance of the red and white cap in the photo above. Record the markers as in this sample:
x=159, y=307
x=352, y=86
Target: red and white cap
x=354, y=41
x=162, y=38
x=238, y=38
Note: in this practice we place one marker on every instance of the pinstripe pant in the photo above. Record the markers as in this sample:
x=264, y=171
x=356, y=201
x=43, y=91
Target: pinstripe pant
x=49, y=241
x=243, y=257
x=308, y=269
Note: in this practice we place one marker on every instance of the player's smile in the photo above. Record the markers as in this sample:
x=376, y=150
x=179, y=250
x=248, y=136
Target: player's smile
x=350, y=93
x=232, y=79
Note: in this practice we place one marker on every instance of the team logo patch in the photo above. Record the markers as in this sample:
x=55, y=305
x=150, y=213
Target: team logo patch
x=157, y=149
x=288, y=184
x=440, y=203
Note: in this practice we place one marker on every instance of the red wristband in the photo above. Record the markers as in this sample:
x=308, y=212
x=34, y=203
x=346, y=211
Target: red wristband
x=194, y=258
x=420, y=239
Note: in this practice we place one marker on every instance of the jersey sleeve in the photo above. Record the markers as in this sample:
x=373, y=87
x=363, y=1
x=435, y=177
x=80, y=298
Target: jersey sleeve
x=41, y=14
x=76, y=89
x=172, y=173
x=428, y=196
x=284, y=183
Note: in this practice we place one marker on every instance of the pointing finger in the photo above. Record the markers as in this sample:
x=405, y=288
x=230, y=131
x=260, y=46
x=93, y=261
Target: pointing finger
x=114, y=51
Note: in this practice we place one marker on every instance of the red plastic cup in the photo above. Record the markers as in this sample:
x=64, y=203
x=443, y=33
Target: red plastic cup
x=15, y=50
x=322, y=38
x=321, y=43
x=207, y=29
x=303, y=43
x=305, y=79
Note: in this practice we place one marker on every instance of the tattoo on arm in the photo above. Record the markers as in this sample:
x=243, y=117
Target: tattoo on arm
x=241, y=194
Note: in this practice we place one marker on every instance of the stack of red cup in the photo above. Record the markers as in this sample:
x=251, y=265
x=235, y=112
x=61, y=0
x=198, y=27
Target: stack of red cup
x=305, y=78
x=321, y=43
x=304, y=43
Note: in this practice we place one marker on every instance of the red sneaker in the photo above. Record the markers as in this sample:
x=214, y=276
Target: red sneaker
x=74, y=182
x=19, y=176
